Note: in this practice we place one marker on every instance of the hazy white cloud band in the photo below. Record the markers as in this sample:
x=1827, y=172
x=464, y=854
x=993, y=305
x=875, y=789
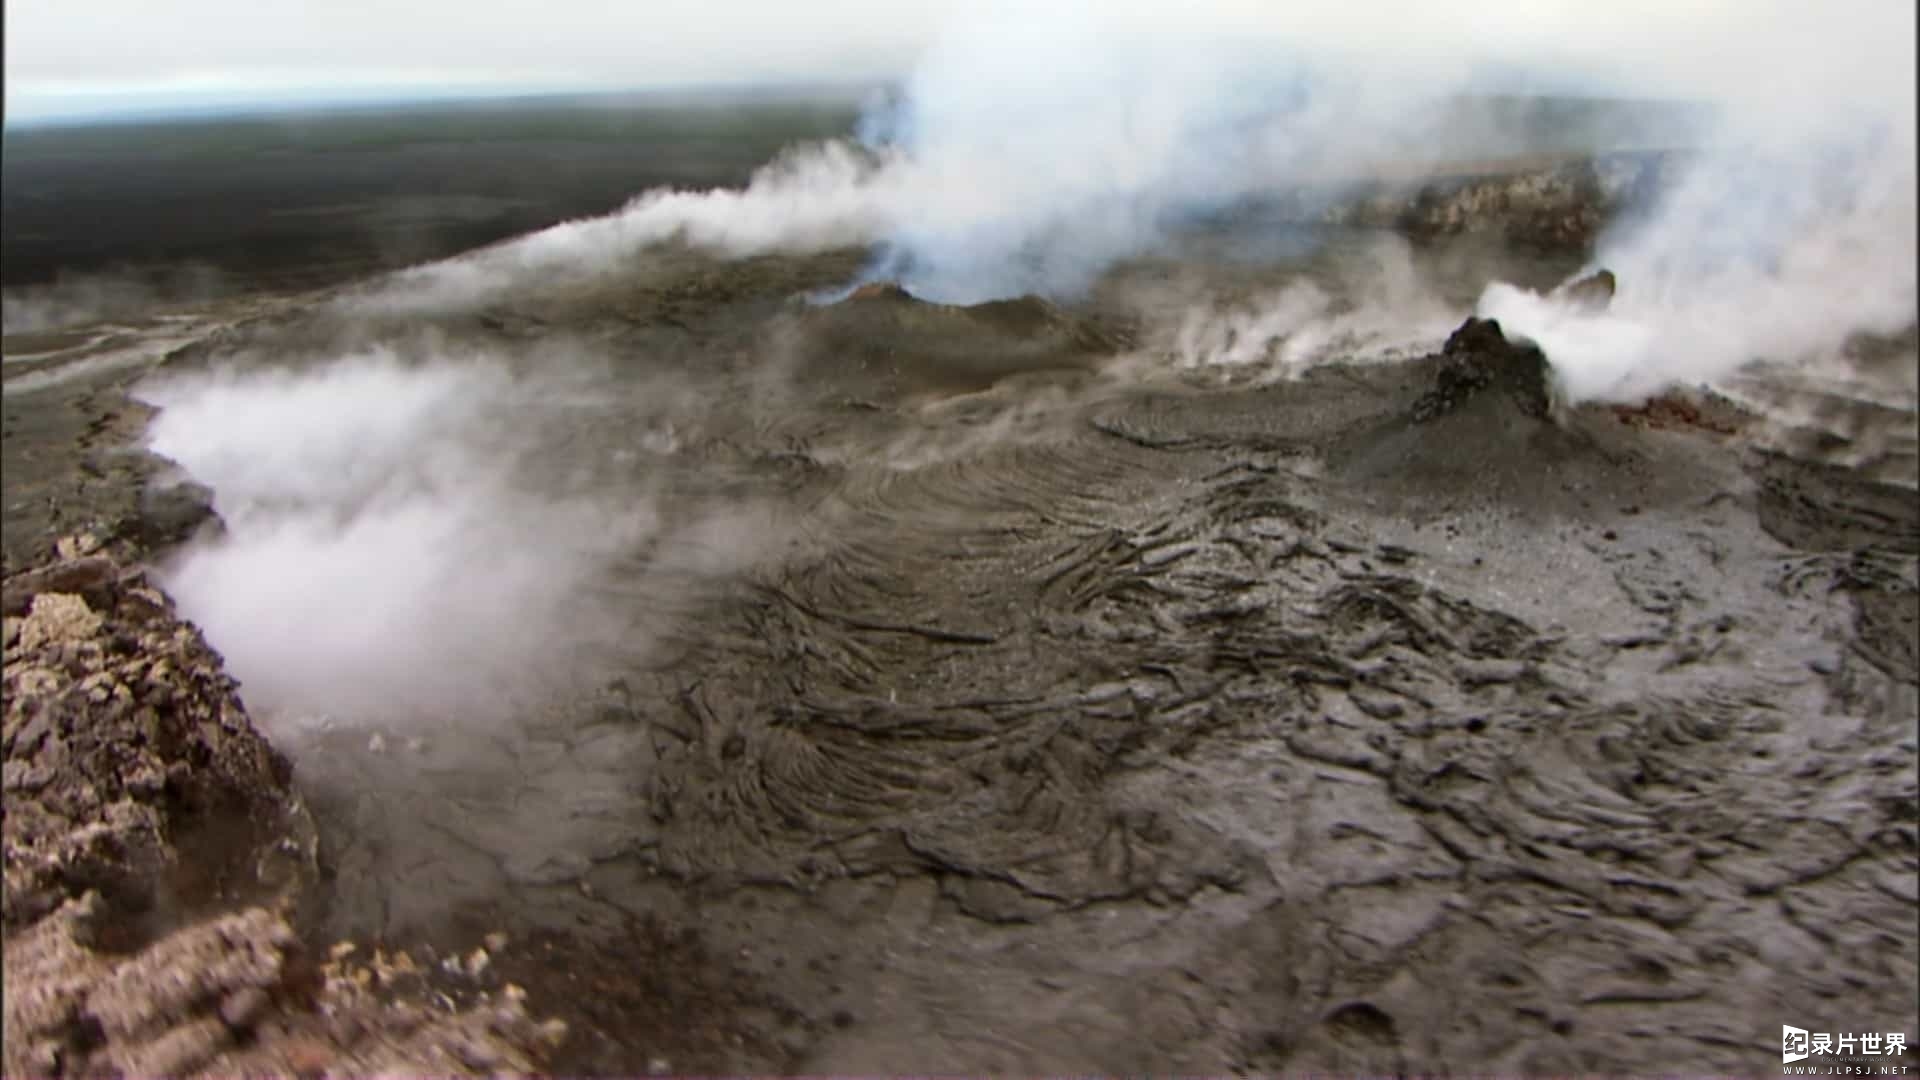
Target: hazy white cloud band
x=1034, y=145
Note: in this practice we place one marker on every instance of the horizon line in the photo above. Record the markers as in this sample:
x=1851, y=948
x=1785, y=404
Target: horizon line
x=190, y=106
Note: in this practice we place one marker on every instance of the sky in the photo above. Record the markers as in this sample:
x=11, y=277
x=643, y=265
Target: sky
x=83, y=57
x=79, y=57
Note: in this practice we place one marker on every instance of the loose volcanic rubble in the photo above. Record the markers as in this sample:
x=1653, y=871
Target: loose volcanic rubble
x=155, y=857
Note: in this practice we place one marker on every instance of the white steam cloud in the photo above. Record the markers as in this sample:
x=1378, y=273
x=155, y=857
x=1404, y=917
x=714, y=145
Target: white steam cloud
x=394, y=554
x=1033, y=146
x=1775, y=246
x=813, y=198
x=1379, y=308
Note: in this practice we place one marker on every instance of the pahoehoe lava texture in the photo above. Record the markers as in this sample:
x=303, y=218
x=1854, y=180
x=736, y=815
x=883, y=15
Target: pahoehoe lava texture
x=1390, y=718
x=1048, y=706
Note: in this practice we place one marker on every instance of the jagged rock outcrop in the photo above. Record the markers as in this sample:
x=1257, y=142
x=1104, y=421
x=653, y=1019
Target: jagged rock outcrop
x=155, y=856
x=1591, y=294
x=1555, y=206
x=1478, y=358
x=125, y=739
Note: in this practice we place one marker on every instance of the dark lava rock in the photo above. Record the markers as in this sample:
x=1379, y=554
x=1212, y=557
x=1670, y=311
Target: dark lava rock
x=884, y=337
x=1819, y=506
x=170, y=515
x=1593, y=293
x=1479, y=359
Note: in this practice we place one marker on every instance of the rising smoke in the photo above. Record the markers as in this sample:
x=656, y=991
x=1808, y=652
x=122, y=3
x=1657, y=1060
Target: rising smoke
x=408, y=540
x=1374, y=301
x=1034, y=146
x=1030, y=149
x=82, y=299
x=1793, y=230
x=387, y=550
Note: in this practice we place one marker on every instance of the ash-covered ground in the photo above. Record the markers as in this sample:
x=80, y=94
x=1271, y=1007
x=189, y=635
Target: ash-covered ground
x=1253, y=662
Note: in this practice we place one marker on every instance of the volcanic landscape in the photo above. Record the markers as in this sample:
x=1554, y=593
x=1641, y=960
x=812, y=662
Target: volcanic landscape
x=1265, y=655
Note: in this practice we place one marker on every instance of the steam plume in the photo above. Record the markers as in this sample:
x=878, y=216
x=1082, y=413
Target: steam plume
x=1035, y=146
x=402, y=543
x=1794, y=231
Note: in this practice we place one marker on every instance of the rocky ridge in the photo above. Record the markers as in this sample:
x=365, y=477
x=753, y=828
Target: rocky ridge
x=156, y=857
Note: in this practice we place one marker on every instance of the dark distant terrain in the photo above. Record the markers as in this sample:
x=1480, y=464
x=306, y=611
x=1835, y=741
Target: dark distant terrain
x=304, y=199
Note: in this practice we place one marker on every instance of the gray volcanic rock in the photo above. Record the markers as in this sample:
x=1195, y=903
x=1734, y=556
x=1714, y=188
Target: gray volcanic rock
x=1478, y=358
x=883, y=333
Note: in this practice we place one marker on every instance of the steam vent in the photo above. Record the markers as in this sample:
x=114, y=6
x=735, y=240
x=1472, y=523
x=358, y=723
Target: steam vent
x=1100, y=556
